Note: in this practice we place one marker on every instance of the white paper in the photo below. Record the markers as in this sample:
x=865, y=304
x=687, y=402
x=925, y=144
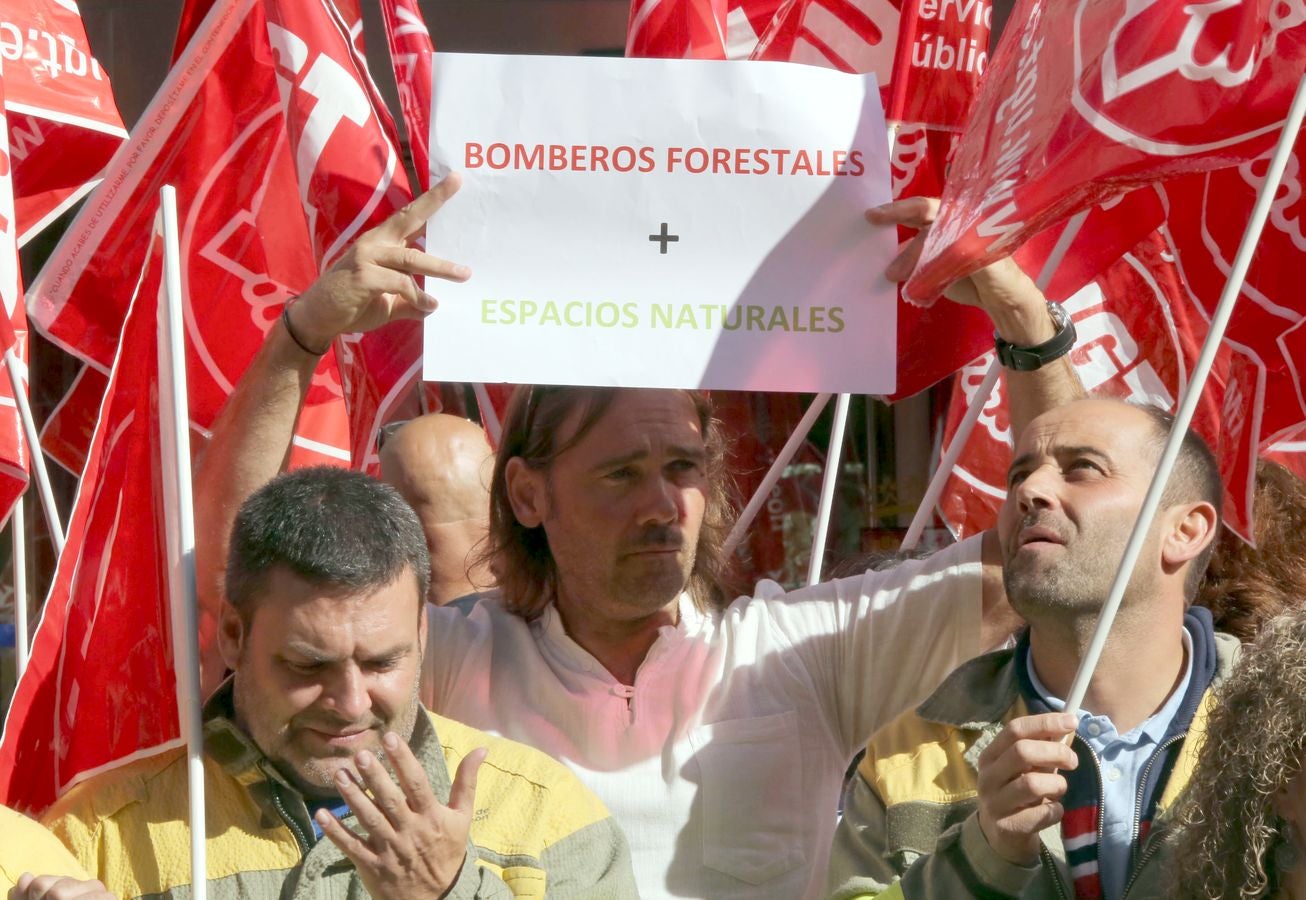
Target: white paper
x=570, y=284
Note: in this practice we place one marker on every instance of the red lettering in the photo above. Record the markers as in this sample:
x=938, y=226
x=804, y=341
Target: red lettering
x=840, y=157
x=529, y=159
x=472, y=156
x=720, y=160
x=557, y=157
x=599, y=159
x=855, y=157
x=689, y=160
x=623, y=158
x=646, y=161
x=504, y=156
x=802, y=163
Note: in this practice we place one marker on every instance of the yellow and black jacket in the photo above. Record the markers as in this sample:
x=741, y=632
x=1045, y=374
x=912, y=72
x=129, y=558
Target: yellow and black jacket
x=536, y=828
x=910, y=828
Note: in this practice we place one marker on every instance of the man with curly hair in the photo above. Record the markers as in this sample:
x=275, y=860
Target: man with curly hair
x=976, y=792
x=1244, y=814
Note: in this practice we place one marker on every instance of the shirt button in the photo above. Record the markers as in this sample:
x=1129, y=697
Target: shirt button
x=1113, y=774
x=1093, y=728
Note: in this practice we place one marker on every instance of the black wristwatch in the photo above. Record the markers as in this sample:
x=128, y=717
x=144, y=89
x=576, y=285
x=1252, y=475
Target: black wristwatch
x=1027, y=359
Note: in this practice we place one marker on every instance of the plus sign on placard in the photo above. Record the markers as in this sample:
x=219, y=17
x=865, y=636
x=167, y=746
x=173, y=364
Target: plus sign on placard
x=664, y=238
x=776, y=282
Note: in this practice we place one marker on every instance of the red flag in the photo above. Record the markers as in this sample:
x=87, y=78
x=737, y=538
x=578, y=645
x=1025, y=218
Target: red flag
x=99, y=688
x=14, y=463
x=1207, y=214
x=746, y=22
x=215, y=131
x=1083, y=103
x=1138, y=339
x=677, y=29
x=346, y=154
x=411, y=47
x=63, y=122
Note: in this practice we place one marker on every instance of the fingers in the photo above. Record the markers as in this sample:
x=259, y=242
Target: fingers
x=905, y=262
x=386, y=795
x=55, y=887
x=412, y=261
x=379, y=829
x=1042, y=727
x=911, y=212
x=462, y=796
x=412, y=218
x=350, y=844
x=412, y=777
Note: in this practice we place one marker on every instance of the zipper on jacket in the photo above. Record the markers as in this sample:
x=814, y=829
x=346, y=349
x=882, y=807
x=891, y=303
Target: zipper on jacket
x=1053, y=874
x=1138, y=812
x=300, y=838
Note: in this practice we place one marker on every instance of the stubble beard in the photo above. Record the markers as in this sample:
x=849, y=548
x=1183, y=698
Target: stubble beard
x=314, y=776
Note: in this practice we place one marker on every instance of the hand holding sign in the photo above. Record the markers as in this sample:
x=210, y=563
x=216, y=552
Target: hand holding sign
x=372, y=284
x=1001, y=289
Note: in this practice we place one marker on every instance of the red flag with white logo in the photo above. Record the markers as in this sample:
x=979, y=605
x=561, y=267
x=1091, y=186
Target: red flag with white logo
x=411, y=48
x=1138, y=339
x=99, y=688
x=351, y=177
x=1090, y=98
x=63, y=123
x=215, y=131
x=14, y=463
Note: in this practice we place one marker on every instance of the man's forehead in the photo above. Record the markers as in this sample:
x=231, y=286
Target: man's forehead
x=1102, y=425
x=638, y=418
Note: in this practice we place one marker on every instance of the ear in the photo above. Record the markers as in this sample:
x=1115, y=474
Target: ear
x=1192, y=528
x=231, y=635
x=527, y=492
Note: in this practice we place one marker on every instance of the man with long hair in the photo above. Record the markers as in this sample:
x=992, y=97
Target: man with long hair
x=716, y=729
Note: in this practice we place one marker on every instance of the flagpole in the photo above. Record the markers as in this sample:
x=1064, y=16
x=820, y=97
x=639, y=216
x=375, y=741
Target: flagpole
x=174, y=434
x=18, y=534
x=488, y=415
x=773, y=474
x=19, y=383
x=1192, y=396
x=925, y=511
x=830, y=477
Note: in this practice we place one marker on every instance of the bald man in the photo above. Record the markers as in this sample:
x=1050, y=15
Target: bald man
x=441, y=464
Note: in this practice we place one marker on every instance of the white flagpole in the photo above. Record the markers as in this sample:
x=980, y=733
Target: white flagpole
x=831, y=476
x=19, y=382
x=18, y=532
x=1188, y=406
x=488, y=415
x=174, y=433
x=925, y=511
x=772, y=477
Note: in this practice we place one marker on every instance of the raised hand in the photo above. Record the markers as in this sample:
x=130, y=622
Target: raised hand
x=373, y=283
x=1001, y=289
x=1019, y=785
x=415, y=845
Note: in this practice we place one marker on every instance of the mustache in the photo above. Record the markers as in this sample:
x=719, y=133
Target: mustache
x=657, y=537
x=1041, y=520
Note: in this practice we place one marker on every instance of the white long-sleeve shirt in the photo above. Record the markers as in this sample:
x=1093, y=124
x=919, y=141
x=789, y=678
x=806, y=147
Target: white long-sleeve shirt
x=724, y=761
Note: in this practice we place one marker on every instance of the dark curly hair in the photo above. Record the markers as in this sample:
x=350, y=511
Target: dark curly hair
x=1246, y=586
x=1230, y=834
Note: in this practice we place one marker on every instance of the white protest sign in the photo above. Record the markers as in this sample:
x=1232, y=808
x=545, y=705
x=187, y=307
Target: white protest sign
x=661, y=223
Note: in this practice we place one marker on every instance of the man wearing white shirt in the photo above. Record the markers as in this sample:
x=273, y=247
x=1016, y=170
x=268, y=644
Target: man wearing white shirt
x=717, y=732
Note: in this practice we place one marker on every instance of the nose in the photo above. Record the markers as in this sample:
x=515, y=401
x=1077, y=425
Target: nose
x=1036, y=490
x=662, y=504
x=346, y=694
